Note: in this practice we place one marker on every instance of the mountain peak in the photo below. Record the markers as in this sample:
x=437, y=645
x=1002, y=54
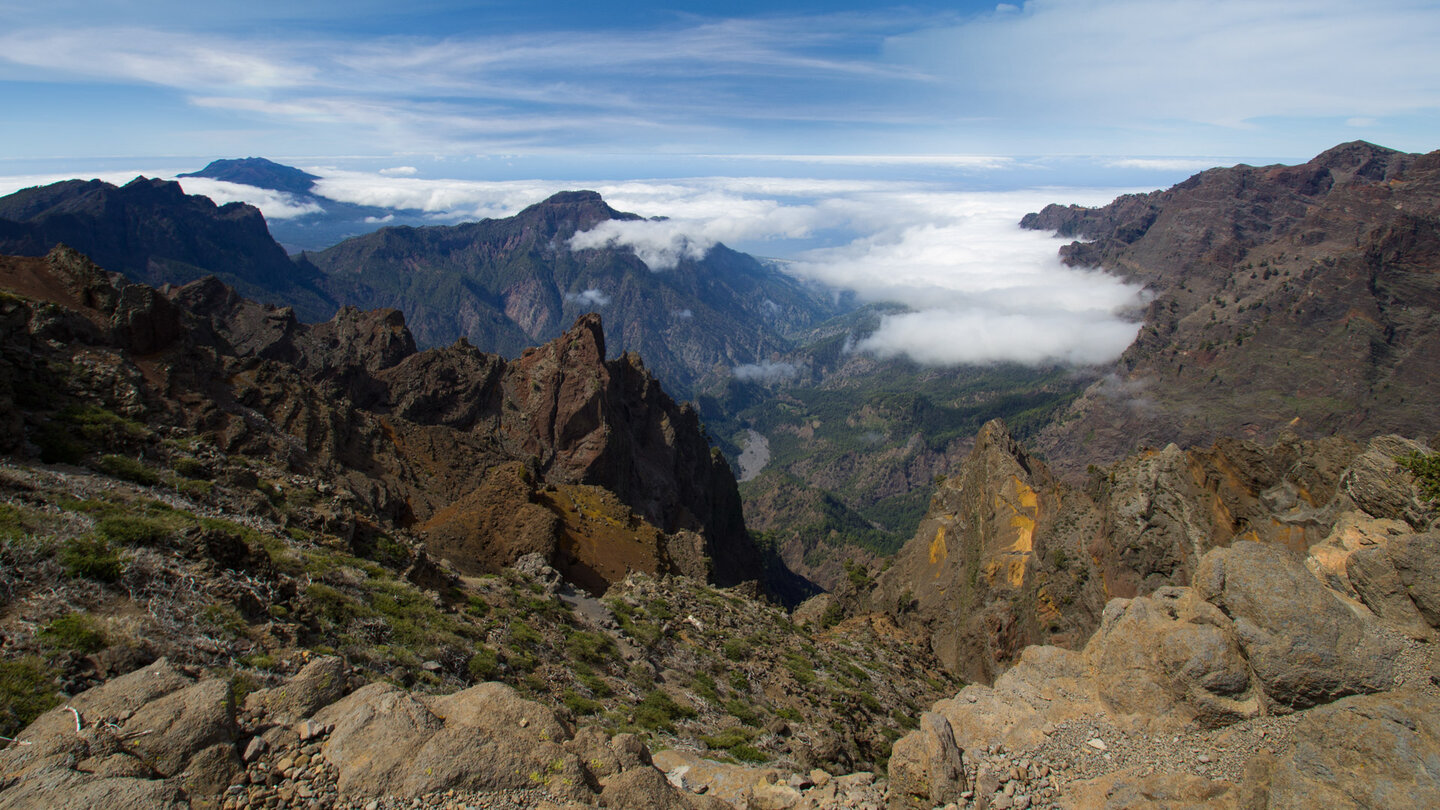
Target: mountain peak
x=258, y=172
x=569, y=211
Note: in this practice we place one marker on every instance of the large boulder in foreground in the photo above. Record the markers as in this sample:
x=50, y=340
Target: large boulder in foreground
x=1365, y=751
x=1305, y=645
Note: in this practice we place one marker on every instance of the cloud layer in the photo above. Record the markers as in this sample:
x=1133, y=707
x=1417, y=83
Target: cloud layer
x=981, y=289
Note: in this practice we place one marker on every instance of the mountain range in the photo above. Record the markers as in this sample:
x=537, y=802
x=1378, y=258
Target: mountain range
x=250, y=559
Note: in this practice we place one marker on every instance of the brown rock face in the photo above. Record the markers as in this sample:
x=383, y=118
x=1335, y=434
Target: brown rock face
x=1286, y=298
x=466, y=446
x=1008, y=556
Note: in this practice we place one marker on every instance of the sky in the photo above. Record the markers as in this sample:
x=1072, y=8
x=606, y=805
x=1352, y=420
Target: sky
x=884, y=147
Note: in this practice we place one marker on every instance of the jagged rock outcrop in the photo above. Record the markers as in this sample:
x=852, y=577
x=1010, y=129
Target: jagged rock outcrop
x=407, y=434
x=1282, y=298
x=1008, y=556
x=1174, y=683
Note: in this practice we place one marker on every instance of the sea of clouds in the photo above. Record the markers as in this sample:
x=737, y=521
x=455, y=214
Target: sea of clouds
x=979, y=288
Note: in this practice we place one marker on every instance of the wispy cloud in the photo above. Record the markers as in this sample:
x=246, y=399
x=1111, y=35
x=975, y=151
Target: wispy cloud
x=766, y=371
x=1171, y=164
x=273, y=204
x=588, y=298
x=1221, y=62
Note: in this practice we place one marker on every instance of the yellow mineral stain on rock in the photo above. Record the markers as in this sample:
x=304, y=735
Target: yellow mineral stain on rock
x=1011, y=558
x=938, y=550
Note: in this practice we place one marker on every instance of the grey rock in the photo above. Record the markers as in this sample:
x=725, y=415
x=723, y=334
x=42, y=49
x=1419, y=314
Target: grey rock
x=1303, y=643
x=1365, y=751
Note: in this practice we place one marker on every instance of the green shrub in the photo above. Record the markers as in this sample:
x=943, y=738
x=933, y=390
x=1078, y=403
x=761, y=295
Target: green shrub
x=596, y=684
x=224, y=619
x=127, y=468
x=743, y=711
x=14, y=523
x=91, y=558
x=704, y=686
x=484, y=665
x=192, y=468
x=592, y=648
x=1426, y=469
x=730, y=737
x=27, y=690
x=738, y=649
x=132, y=531
x=658, y=712
x=747, y=753
x=579, y=705
x=75, y=632
x=522, y=633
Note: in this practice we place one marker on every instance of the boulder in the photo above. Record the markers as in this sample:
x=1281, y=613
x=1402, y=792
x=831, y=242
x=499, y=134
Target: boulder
x=378, y=730
x=925, y=765
x=1304, y=644
x=1365, y=751
x=388, y=742
x=1353, y=531
x=1376, y=484
x=1048, y=685
x=1174, y=658
x=318, y=684
x=180, y=725
x=1133, y=789
x=1417, y=562
x=1371, y=572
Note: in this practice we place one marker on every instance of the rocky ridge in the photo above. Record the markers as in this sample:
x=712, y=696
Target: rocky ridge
x=1298, y=298
x=1010, y=556
x=404, y=434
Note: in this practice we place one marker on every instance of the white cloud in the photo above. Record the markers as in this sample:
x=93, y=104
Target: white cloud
x=400, y=171
x=981, y=288
x=1172, y=164
x=660, y=245
x=588, y=298
x=959, y=259
x=765, y=371
x=1218, y=62
x=273, y=204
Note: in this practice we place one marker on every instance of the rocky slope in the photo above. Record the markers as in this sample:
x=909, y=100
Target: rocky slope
x=410, y=436
x=215, y=522
x=1009, y=556
x=1298, y=298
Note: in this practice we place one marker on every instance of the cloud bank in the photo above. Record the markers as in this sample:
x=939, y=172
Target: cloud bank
x=981, y=289
x=273, y=204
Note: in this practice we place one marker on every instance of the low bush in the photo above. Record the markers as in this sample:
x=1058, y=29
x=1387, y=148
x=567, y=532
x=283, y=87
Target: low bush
x=657, y=711
x=1426, y=469
x=132, y=531
x=27, y=690
x=127, y=468
x=74, y=632
x=88, y=557
x=484, y=665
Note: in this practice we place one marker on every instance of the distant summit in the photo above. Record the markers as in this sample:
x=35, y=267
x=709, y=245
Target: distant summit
x=260, y=173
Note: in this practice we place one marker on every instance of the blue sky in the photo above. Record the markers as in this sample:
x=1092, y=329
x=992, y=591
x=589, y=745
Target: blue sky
x=584, y=83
